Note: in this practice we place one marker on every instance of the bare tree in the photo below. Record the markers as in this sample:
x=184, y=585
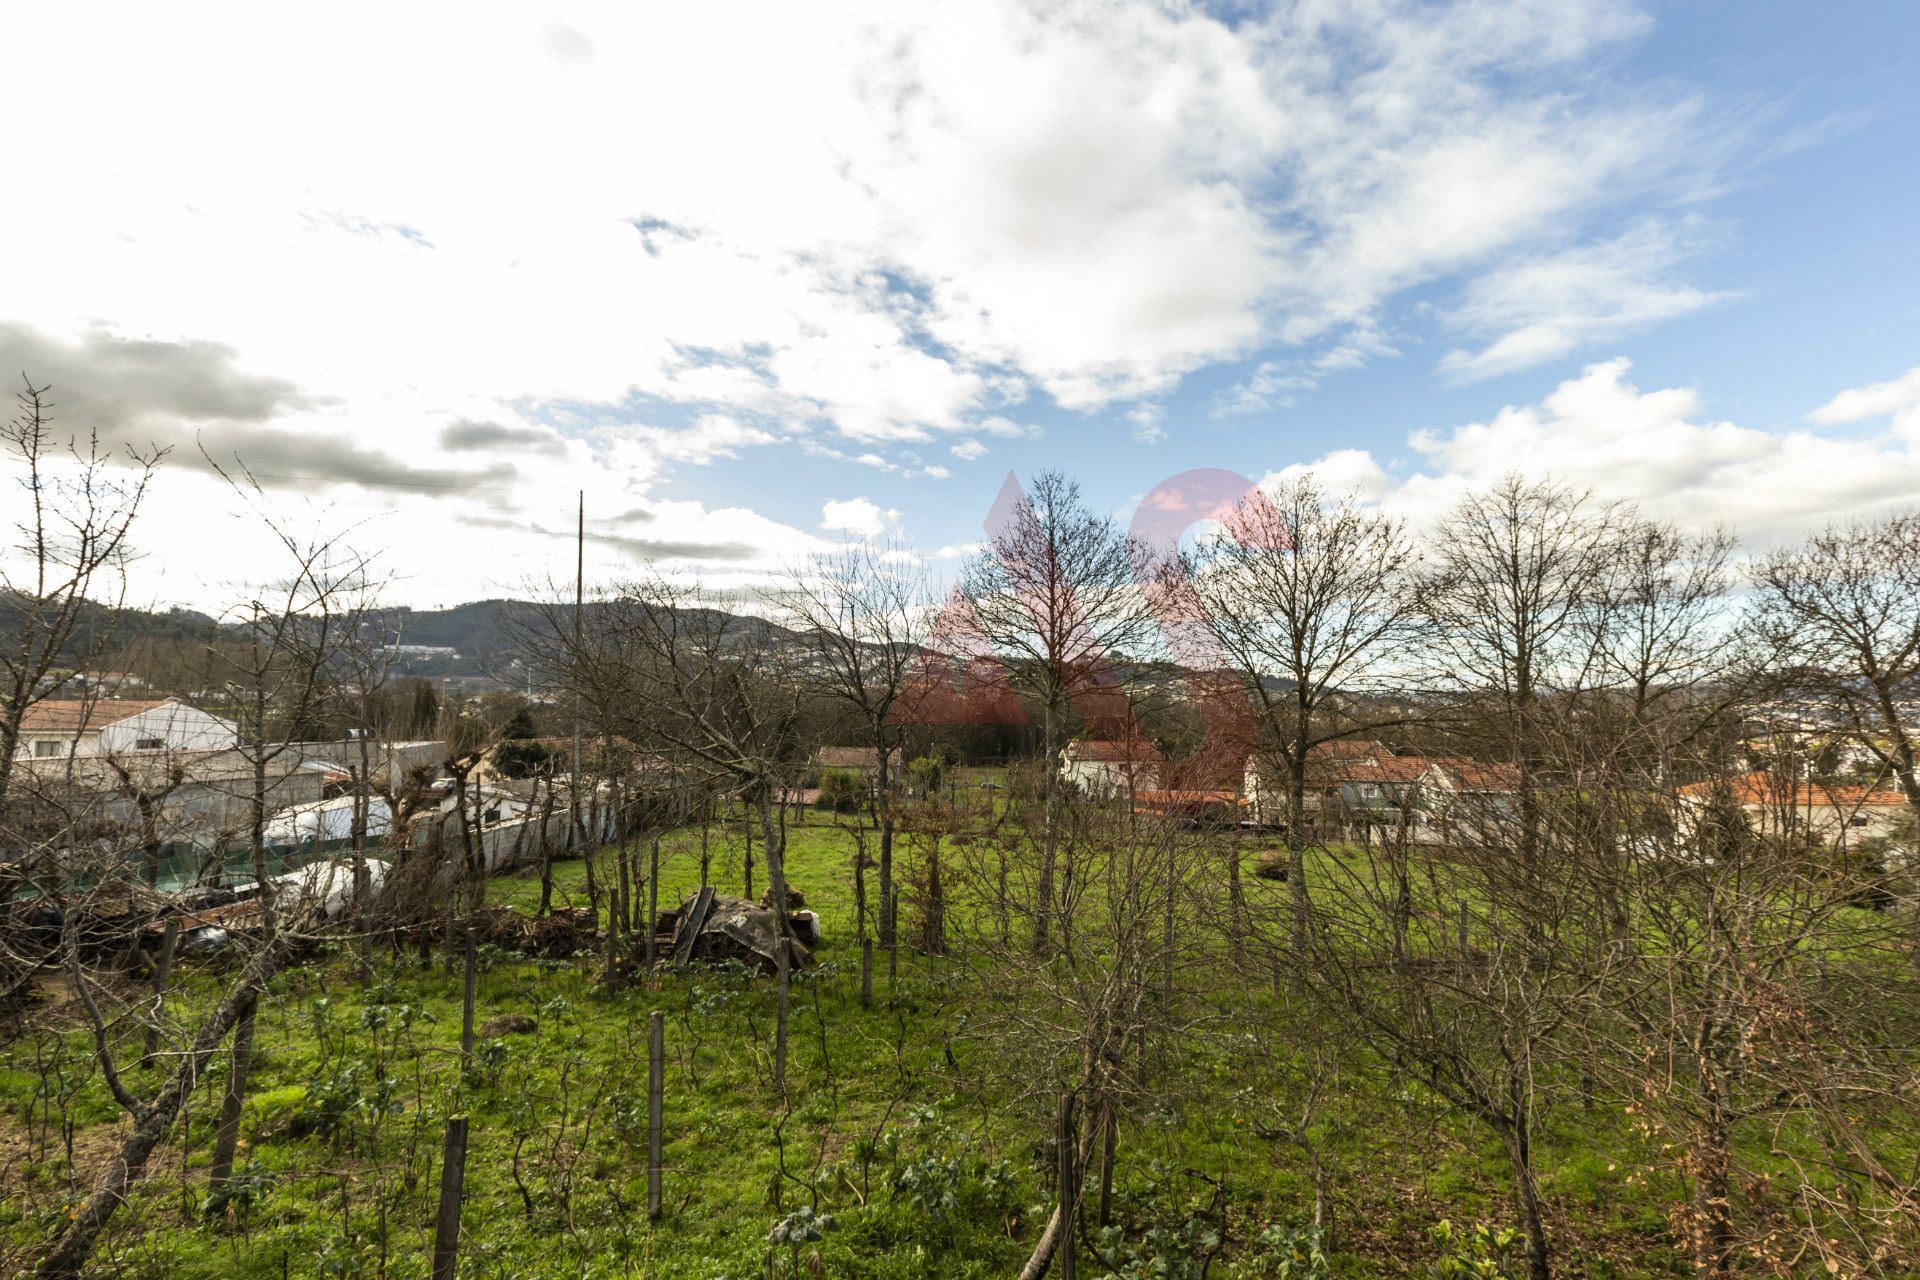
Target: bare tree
x=1313, y=599
x=1517, y=603
x=79, y=507
x=716, y=690
x=1057, y=594
x=863, y=614
x=1841, y=617
x=1462, y=978
x=1753, y=1009
x=1082, y=1041
x=286, y=653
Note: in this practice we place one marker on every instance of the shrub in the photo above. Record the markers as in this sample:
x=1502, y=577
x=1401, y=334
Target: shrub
x=842, y=790
x=927, y=773
x=523, y=758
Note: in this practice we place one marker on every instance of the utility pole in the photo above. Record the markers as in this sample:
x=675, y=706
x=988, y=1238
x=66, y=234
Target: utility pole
x=579, y=603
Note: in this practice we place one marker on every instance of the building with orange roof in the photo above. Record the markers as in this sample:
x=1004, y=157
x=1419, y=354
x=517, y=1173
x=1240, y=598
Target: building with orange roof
x=1836, y=813
x=72, y=727
x=1109, y=767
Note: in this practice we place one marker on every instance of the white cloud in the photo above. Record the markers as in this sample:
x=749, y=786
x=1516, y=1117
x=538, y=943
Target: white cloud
x=1344, y=471
x=1008, y=428
x=879, y=224
x=1897, y=398
x=1146, y=420
x=1273, y=384
x=969, y=451
x=1203, y=187
x=1540, y=308
x=1658, y=449
x=857, y=516
x=1279, y=384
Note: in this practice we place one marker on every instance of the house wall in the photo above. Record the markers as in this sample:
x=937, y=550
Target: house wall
x=1105, y=777
x=59, y=743
x=176, y=726
x=1831, y=823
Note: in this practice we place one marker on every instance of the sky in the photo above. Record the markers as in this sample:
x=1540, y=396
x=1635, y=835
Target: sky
x=759, y=278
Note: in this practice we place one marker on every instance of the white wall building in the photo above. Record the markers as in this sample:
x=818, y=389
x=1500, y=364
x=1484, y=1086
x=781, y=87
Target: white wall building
x=62, y=727
x=325, y=820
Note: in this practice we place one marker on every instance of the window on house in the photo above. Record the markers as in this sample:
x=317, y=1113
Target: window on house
x=45, y=749
x=149, y=744
x=1856, y=822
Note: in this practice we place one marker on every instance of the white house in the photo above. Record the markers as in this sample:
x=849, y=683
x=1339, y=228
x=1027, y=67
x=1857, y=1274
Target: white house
x=1348, y=782
x=1110, y=768
x=1470, y=799
x=61, y=727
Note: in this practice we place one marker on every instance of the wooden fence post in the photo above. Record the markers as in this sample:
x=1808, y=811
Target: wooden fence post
x=653, y=897
x=656, y=1071
x=453, y=1154
x=1069, y=1189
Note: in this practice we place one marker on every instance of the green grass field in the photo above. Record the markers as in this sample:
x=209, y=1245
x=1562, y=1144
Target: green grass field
x=896, y=1123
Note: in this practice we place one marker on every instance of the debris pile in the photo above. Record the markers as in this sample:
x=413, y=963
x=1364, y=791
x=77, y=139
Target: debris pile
x=712, y=929
x=554, y=937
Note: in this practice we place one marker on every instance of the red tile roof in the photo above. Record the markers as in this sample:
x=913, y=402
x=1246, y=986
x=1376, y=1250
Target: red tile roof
x=1763, y=788
x=854, y=758
x=1472, y=775
x=74, y=715
x=1110, y=752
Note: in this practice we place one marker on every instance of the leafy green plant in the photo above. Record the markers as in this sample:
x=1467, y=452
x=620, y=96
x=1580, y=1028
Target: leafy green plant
x=931, y=1185
x=1283, y=1252
x=1479, y=1252
x=803, y=1226
x=242, y=1192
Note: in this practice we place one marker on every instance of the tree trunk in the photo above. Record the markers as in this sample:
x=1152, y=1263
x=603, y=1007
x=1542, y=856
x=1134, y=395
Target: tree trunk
x=546, y=853
x=75, y=1244
x=453, y=1191
x=1297, y=848
x=162, y=978
x=884, y=779
x=1236, y=900
x=1109, y=1140
x=656, y=1122
x=653, y=896
x=888, y=925
x=782, y=951
x=1526, y=1194
x=1060, y=1223
x=1068, y=1186
x=227, y=1138
x=936, y=925
x=1049, y=834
